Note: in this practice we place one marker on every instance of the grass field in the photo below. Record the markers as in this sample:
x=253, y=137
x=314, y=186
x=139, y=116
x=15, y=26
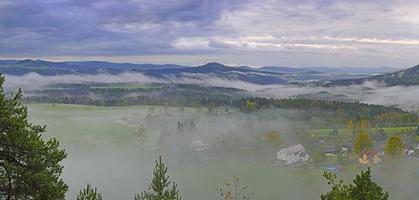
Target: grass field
x=102, y=150
x=84, y=125
x=388, y=131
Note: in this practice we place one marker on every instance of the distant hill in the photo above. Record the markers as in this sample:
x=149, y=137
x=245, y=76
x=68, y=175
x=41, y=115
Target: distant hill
x=403, y=77
x=329, y=70
x=263, y=75
x=285, y=69
x=21, y=67
x=217, y=70
x=352, y=70
x=165, y=72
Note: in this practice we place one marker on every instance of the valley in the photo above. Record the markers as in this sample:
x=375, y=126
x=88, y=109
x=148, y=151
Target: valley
x=105, y=139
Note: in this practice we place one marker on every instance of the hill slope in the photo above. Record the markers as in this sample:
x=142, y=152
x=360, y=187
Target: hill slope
x=21, y=67
x=404, y=77
x=217, y=70
x=166, y=72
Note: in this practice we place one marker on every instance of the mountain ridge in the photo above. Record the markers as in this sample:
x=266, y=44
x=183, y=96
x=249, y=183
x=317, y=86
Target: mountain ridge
x=406, y=77
x=262, y=76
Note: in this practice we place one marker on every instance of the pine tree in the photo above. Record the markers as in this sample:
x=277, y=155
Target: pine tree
x=89, y=193
x=161, y=188
x=363, y=188
x=29, y=166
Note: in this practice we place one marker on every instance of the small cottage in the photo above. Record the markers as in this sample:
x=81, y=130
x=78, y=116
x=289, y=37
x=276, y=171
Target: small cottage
x=293, y=154
x=330, y=151
x=199, y=145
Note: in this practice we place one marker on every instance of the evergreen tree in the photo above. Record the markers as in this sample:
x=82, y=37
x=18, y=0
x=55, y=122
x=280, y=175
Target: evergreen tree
x=89, y=193
x=363, y=188
x=161, y=188
x=29, y=166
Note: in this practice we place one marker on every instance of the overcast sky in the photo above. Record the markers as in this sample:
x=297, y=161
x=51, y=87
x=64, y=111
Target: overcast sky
x=235, y=32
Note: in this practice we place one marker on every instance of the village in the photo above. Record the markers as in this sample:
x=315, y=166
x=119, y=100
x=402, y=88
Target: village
x=330, y=149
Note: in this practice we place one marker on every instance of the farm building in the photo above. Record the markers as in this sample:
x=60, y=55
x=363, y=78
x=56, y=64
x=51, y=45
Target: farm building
x=330, y=151
x=292, y=154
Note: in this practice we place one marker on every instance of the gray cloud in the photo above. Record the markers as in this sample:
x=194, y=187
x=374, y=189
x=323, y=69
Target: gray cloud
x=359, y=32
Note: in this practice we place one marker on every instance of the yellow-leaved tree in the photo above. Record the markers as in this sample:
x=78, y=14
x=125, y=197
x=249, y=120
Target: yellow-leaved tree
x=394, y=148
x=362, y=142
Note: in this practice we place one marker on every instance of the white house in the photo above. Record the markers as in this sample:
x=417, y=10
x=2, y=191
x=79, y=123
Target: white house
x=199, y=145
x=293, y=154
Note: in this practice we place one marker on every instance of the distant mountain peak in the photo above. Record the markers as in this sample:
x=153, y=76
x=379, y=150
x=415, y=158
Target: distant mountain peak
x=26, y=61
x=213, y=64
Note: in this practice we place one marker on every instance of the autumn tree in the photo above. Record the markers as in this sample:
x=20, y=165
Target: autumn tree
x=394, y=148
x=234, y=191
x=250, y=105
x=29, y=165
x=350, y=124
x=362, y=188
x=362, y=142
x=273, y=138
x=89, y=193
x=363, y=124
x=160, y=188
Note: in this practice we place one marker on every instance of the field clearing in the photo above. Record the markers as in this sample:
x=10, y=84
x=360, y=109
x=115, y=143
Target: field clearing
x=94, y=125
x=89, y=125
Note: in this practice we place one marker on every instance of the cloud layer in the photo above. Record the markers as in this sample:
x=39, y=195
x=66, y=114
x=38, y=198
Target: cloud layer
x=262, y=32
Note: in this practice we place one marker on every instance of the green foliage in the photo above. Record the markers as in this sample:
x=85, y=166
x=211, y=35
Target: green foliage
x=250, y=105
x=161, y=188
x=234, y=191
x=394, y=148
x=89, y=193
x=342, y=159
x=318, y=157
x=29, y=166
x=273, y=138
x=342, y=110
x=362, y=142
x=362, y=188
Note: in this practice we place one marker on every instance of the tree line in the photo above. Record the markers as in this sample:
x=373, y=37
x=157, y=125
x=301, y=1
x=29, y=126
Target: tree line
x=375, y=114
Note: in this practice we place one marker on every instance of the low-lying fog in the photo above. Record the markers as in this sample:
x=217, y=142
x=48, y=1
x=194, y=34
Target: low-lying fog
x=114, y=148
x=120, y=161
x=404, y=97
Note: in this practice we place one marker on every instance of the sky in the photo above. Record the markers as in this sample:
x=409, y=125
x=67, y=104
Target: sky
x=359, y=33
